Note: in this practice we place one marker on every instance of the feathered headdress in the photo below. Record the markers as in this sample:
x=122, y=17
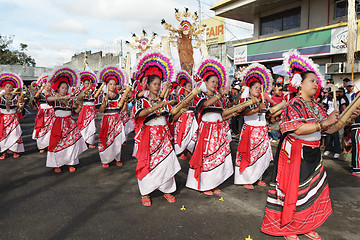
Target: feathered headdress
x=64, y=74
x=295, y=64
x=257, y=72
x=183, y=77
x=12, y=78
x=113, y=73
x=135, y=75
x=34, y=84
x=155, y=63
x=86, y=75
x=213, y=67
x=42, y=79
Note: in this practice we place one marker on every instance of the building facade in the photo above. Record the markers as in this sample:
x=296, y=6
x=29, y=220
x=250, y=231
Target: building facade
x=96, y=61
x=317, y=28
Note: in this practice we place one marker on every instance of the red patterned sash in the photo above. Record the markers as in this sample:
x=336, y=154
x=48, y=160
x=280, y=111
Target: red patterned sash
x=289, y=175
x=56, y=133
x=196, y=161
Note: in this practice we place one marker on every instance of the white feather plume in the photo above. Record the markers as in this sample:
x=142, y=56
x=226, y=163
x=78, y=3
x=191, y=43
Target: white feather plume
x=246, y=93
x=296, y=80
x=203, y=87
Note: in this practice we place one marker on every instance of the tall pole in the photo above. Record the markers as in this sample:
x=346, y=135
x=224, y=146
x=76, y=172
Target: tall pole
x=351, y=34
x=199, y=11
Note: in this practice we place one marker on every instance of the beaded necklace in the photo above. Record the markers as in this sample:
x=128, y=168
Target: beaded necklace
x=154, y=102
x=313, y=109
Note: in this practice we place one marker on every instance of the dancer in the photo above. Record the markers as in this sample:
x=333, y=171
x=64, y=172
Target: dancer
x=298, y=199
x=211, y=162
x=11, y=105
x=186, y=126
x=66, y=142
x=45, y=116
x=157, y=162
x=87, y=117
x=112, y=133
x=254, y=151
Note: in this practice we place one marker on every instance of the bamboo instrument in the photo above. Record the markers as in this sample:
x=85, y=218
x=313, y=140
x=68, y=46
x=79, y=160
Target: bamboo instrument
x=236, y=101
x=122, y=100
x=21, y=98
x=171, y=102
x=15, y=91
x=165, y=90
x=80, y=96
x=99, y=90
x=278, y=107
x=177, y=115
x=233, y=109
x=185, y=101
x=334, y=97
x=346, y=114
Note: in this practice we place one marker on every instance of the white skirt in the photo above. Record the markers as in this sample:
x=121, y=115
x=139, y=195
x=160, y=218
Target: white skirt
x=254, y=172
x=129, y=127
x=135, y=149
x=188, y=142
x=88, y=133
x=67, y=156
x=10, y=142
x=161, y=177
x=42, y=142
x=213, y=178
x=113, y=151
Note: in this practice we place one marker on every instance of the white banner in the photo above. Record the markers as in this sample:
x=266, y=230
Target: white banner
x=337, y=36
x=240, y=55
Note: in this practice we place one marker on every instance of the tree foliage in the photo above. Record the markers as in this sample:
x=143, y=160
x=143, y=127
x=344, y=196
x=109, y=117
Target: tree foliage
x=9, y=56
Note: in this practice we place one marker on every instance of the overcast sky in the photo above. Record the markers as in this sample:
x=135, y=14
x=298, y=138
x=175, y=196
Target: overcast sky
x=56, y=29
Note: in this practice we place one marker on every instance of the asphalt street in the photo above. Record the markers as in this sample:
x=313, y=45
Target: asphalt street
x=99, y=203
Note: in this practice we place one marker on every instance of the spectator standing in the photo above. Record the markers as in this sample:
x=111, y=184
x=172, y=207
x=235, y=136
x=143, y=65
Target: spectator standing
x=350, y=91
x=333, y=140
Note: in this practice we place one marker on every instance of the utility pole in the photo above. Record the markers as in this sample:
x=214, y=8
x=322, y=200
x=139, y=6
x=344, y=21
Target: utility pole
x=199, y=11
x=121, y=48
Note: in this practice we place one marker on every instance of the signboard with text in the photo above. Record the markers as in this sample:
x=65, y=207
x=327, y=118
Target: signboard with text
x=240, y=54
x=215, y=30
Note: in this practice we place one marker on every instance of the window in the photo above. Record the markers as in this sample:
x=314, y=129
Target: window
x=342, y=8
x=281, y=21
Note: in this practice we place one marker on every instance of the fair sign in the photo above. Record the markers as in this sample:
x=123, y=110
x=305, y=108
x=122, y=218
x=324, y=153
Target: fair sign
x=215, y=30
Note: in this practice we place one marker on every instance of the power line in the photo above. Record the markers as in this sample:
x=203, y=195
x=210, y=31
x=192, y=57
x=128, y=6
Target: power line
x=226, y=28
x=228, y=23
x=205, y=3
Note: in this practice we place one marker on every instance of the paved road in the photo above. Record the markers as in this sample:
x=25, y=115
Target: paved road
x=98, y=203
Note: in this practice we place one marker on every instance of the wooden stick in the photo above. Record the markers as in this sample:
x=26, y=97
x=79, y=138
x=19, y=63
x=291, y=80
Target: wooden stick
x=122, y=100
x=334, y=98
x=99, y=90
x=278, y=107
x=346, y=114
x=352, y=71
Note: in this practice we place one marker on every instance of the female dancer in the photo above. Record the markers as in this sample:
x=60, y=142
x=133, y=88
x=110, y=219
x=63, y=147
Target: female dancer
x=66, y=142
x=211, y=162
x=86, y=121
x=45, y=116
x=298, y=198
x=11, y=106
x=254, y=151
x=157, y=162
x=112, y=133
x=186, y=126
